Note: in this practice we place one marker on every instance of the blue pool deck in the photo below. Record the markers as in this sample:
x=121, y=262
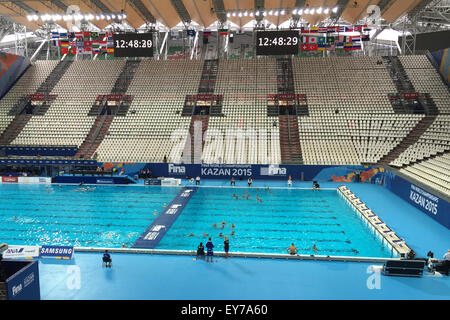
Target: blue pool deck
x=141, y=276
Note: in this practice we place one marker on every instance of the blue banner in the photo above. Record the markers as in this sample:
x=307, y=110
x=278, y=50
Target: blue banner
x=58, y=252
x=244, y=171
x=425, y=201
x=24, y=283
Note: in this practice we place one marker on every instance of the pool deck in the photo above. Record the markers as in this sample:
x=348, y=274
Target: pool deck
x=141, y=276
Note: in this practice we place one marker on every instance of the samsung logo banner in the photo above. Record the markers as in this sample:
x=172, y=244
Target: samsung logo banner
x=21, y=252
x=424, y=199
x=58, y=252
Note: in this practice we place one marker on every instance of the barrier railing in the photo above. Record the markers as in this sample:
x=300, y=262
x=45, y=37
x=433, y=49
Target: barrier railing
x=386, y=235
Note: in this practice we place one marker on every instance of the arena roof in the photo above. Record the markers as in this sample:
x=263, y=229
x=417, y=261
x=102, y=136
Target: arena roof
x=205, y=12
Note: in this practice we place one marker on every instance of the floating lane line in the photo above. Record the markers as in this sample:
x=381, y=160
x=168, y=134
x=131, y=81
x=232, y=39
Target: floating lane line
x=156, y=231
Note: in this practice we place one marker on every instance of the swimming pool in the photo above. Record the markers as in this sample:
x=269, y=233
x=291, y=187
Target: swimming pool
x=280, y=217
x=265, y=220
x=108, y=216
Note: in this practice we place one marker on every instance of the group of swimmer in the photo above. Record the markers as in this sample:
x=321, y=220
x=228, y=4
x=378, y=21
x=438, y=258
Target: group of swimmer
x=219, y=226
x=246, y=195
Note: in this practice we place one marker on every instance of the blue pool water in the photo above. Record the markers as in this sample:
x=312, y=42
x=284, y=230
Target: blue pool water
x=110, y=216
x=285, y=216
x=106, y=217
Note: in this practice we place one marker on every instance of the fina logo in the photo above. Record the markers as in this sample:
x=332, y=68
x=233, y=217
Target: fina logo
x=177, y=169
x=273, y=170
x=16, y=289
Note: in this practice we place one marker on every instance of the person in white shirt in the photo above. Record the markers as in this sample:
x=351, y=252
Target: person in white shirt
x=290, y=181
x=197, y=180
x=447, y=256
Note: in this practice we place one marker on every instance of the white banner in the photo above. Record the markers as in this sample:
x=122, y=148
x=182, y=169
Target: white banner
x=21, y=252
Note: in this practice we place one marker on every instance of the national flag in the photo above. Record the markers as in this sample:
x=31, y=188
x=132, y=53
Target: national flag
x=87, y=34
x=357, y=46
x=321, y=47
x=331, y=47
x=110, y=50
x=366, y=29
x=78, y=34
x=354, y=38
x=64, y=50
x=348, y=46
x=323, y=29
x=358, y=28
x=304, y=30
x=309, y=39
x=74, y=50
x=87, y=44
x=88, y=50
x=63, y=35
x=96, y=50
x=331, y=39
x=102, y=34
x=365, y=38
x=190, y=33
x=331, y=29
x=71, y=35
x=313, y=30
x=55, y=35
x=223, y=32
x=207, y=32
x=309, y=47
x=349, y=29
x=339, y=46
x=64, y=43
x=321, y=40
x=94, y=35
x=340, y=29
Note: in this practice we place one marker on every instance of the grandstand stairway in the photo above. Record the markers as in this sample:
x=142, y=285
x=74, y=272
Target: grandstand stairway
x=288, y=124
x=101, y=125
x=21, y=115
x=424, y=103
x=411, y=138
x=96, y=135
x=193, y=149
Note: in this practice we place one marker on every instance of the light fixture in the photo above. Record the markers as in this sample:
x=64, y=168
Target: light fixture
x=319, y=10
x=264, y=13
x=113, y=16
x=251, y=13
x=306, y=11
x=312, y=11
x=108, y=17
x=294, y=11
x=240, y=14
x=300, y=12
x=29, y=18
x=228, y=15
x=257, y=13
x=335, y=9
x=275, y=13
x=326, y=11
x=234, y=14
x=282, y=12
x=245, y=13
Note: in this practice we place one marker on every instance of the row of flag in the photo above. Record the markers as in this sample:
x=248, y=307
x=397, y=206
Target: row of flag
x=333, y=39
x=82, y=34
x=335, y=29
x=86, y=50
x=331, y=47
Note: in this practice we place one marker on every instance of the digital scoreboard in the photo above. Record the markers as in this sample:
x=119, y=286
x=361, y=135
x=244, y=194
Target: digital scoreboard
x=270, y=43
x=133, y=44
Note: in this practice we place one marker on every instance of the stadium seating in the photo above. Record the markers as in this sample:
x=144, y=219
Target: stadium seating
x=66, y=121
x=27, y=84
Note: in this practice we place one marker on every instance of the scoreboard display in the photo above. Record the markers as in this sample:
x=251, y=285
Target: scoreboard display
x=271, y=43
x=133, y=44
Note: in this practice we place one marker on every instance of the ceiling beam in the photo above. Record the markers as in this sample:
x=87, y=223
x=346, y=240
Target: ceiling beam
x=139, y=6
x=342, y=5
x=219, y=8
x=181, y=10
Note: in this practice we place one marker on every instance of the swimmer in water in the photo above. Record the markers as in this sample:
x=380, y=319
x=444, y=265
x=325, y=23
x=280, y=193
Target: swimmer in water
x=124, y=245
x=314, y=248
x=223, y=222
x=214, y=225
x=15, y=219
x=155, y=212
x=232, y=233
x=205, y=234
x=165, y=205
x=190, y=235
x=220, y=235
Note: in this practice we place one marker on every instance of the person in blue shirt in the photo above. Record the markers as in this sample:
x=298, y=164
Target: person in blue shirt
x=107, y=259
x=209, y=250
